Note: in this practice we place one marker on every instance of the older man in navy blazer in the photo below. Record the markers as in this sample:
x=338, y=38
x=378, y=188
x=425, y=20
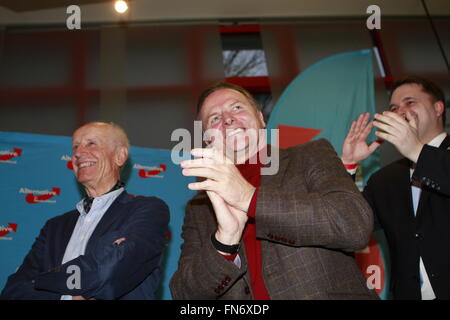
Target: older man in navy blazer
x=111, y=246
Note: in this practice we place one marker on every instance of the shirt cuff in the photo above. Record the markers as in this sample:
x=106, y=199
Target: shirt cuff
x=233, y=258
x=351, y=168
x=229, y=257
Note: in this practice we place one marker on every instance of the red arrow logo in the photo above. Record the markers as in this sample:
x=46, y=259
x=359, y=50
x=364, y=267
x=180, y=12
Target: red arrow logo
x=31, y=198
x=16, y=153
x=70, y=165
x=147, y=174
x=12, y=227
x=291, y=136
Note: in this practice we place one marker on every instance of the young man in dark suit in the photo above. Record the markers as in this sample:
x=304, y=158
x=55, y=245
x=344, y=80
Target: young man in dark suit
x=111, y=246
x=411, y=197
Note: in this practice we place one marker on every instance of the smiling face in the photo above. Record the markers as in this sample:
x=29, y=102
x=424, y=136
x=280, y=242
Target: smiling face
x=411, y=98
x=97, y=157
x=234, y=117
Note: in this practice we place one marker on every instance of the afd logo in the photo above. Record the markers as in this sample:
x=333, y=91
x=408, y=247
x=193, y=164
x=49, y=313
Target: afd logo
x=40, y=196
x=12, y=227
x=150, y=172
x=68, y=159
x=7, y=156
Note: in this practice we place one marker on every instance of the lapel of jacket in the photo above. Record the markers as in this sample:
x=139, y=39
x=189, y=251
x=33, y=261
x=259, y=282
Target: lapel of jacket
x=66, y=234
x=276, y=182
x=111, y=215
x=445, y=144
x=277, y=179
x=401, y=187
x=425, y=194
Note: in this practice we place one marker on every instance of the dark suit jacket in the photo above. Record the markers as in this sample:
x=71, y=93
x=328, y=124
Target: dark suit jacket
x=130, y=270
x=309, y=216
x=428, y=234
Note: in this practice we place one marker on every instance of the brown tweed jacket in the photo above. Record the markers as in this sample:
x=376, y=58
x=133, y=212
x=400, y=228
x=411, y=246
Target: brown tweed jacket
x=310, y=218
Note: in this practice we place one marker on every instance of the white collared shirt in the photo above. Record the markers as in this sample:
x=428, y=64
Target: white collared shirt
x=85, y=226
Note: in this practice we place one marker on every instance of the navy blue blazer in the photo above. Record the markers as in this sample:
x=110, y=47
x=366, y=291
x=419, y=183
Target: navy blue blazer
x=130, y=270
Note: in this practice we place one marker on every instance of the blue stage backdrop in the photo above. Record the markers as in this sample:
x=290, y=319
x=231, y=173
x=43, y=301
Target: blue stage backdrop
x=37, y=183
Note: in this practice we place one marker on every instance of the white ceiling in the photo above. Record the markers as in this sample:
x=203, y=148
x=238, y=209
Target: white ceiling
x=46, y=12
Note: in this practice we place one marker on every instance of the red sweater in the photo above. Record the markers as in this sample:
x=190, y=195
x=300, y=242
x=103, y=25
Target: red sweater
x=252, y=173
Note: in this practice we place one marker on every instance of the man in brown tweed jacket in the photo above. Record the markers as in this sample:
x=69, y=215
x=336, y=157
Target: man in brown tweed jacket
x=290, y=235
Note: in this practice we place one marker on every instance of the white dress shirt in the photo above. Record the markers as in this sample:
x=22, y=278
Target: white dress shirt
x=85, y=226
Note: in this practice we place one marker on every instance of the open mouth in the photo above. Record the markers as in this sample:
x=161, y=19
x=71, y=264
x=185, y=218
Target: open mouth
x=86, y=164
x=234, y=132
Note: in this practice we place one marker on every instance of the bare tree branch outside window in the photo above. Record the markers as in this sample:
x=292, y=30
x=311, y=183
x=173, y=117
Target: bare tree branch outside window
x=244, y=63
